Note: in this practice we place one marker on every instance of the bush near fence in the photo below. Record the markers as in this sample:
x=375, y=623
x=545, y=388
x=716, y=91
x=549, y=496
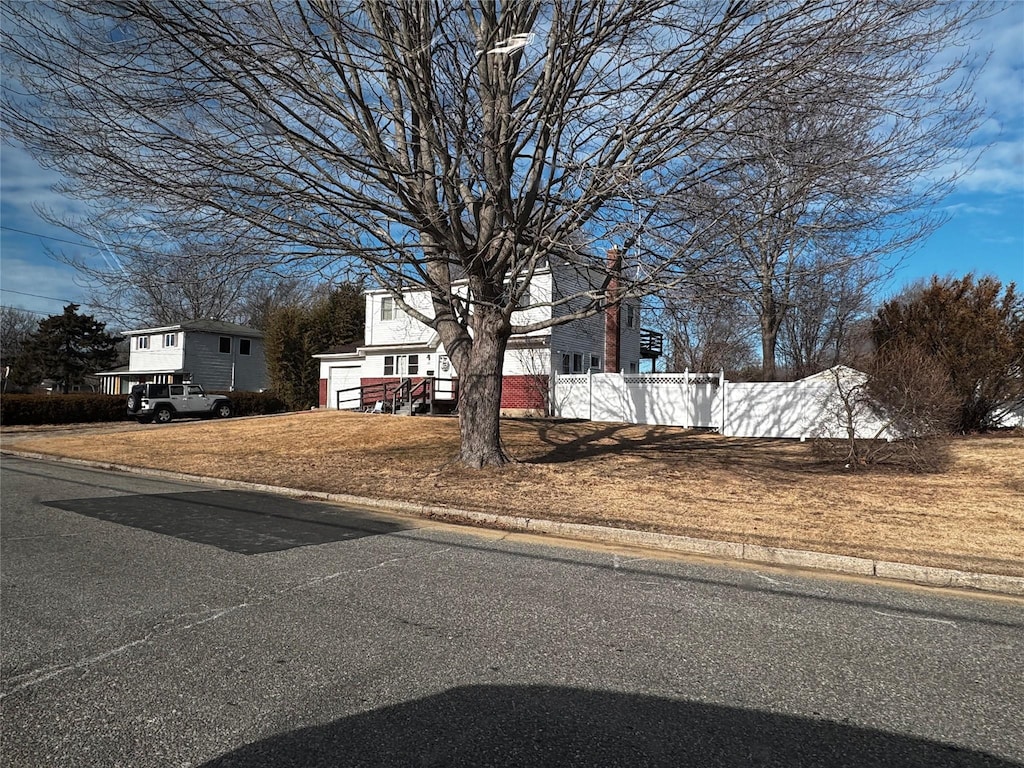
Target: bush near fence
x=95, y=408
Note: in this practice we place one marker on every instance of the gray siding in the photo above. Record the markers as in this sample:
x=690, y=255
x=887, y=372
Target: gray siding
x=587, y=336
x=218, y=370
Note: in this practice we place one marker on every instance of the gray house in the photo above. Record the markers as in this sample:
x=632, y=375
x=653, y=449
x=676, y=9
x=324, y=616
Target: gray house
x=218, y=355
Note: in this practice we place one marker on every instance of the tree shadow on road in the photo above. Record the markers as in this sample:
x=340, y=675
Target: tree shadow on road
x=504, y=726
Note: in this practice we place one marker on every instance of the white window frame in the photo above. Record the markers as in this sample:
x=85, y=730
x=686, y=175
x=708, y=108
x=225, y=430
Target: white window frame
x=245, y=346
x=142, y=342
x=220, y=345
x=577, y=362
x=388, y=309
x=170, y=339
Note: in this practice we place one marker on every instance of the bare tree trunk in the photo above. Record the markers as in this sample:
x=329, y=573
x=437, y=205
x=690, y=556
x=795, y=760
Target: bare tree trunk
x=480, y=373
x=770, y=314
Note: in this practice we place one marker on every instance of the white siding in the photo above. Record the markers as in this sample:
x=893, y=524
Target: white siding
x=586, y=337
x=403, y=329
x=157, y=357
x=527, y=362
x=540, y=293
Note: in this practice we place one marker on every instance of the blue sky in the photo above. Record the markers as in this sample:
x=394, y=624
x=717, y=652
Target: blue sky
x=984, y=234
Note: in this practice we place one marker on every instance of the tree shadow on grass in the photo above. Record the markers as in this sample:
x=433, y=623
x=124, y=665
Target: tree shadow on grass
x=504, y=726
x=568, y=442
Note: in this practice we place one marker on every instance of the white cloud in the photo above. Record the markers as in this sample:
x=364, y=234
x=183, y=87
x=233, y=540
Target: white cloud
x=1000, y=169
x=999, y=86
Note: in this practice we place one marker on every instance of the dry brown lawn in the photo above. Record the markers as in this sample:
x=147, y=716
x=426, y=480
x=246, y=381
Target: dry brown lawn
x=665, y=479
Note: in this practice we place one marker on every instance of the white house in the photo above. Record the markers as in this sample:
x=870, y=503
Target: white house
x=397, y=347
x=218, y=355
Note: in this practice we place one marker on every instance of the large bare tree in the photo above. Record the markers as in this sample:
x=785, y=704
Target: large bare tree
x=831, y=173
x=457, y=146
x=824, y=325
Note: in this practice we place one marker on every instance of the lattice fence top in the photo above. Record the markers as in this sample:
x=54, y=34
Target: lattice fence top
x=698, y=378
x=649, y=379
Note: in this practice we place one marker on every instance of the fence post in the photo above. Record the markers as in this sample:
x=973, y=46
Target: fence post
x=590, y=395
x=722, y=392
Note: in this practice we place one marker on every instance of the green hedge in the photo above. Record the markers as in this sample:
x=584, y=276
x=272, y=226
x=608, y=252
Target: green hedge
x=254, y=403
x=61, y=409
x=89, y=408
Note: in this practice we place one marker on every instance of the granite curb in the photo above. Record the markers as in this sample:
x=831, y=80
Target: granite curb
x=756, y=553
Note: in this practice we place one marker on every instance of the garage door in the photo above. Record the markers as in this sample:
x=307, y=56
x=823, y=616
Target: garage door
x=341, y=383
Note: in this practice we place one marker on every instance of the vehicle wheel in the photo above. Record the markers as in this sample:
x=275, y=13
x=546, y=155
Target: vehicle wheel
x=163, y=415
x=133, y=403
x=222, y=410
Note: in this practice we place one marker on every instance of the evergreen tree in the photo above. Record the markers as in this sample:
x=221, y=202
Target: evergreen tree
x=67, y=348
x=294, y=334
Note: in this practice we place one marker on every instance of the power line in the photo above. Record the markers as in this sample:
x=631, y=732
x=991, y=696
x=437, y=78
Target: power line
x=49, y=237
x=65, y=302
x=37, y=296
x=22, y=309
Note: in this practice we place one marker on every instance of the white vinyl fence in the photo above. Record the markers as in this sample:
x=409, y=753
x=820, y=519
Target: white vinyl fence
x=810, y=407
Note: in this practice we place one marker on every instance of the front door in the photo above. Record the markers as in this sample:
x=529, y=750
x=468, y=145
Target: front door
x=444, y=385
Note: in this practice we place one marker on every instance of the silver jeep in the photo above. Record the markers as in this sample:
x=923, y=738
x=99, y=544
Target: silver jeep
x=161, y=403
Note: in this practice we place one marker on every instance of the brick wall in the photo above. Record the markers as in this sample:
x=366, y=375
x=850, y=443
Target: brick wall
x=371, y=396
x=524, y=392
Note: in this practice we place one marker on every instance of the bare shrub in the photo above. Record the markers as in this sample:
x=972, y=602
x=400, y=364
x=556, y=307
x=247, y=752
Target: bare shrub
x=898, y=414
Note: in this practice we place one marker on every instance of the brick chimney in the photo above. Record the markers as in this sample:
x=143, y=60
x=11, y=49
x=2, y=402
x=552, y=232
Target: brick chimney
x=611, y=314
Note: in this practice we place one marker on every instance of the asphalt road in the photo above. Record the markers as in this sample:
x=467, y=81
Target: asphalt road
x=155, y=623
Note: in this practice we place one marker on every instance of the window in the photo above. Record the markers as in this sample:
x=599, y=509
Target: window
x=387, y=308
x=170, y=339
x=401, y=365
x=566, y=364
x=577, y=362
x=225, y=345
x=595, y=363
x=245, y=346
x=177, y=389
x=195, y=390
x=630, y=316
x=525, y=298
x=142, y=342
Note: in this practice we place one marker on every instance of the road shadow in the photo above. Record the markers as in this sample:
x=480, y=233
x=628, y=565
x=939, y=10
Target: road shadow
x=505, y=726
x=236, y=521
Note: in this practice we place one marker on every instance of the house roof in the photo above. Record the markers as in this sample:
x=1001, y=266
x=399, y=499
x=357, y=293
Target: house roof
x=204, y=326
x=340, y=349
